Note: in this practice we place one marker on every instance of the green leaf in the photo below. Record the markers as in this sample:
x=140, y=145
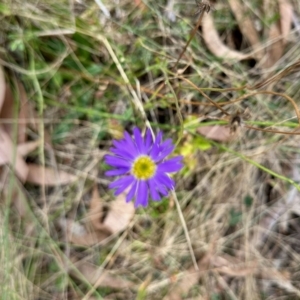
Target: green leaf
x=201, y=143
x=17, y=45
x=235, y=217
x=248, y=200
x=95, y=69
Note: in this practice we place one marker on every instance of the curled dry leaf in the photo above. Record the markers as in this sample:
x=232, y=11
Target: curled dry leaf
x=7, y=150
x=96, y=210
x=119, y=215
x=216, y=133
x=190, y=278
x=276, y=49
x=2, y=87
x=47, y=176
x=286, y=17
x=25, y=148
x=7, y=110
x=278, y=33
x=80, y=235
x=96, y=231
x=214, y=43
x=246, y=26
x=8, y=154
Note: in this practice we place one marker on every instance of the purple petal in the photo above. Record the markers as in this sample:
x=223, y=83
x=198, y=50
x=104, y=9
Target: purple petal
x=164, y=179
x=162, y=190
x=166, y=144
x=117, y=172
x=166, y=148
x=148, y=140
x=130, y=142
x=159, y=137
x=160, y=187
x=171, y=165
x=156, y=147
x=117, y=161
x=132, y=191
x=123, y=153
x=126, y=144
x=142, y=194
x=153, y=192
x=122, y=182
x=139, y=141
x=122, y=188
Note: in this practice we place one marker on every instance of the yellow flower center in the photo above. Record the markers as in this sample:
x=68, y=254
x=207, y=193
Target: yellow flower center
x=143, y=168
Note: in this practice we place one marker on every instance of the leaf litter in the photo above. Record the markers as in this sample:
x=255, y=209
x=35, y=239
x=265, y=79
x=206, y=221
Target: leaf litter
x=9, y=155
x=117, y=219
x=44, y=176
x=215, y=44
x=99, y=277
x=97, y=231
x=266, y=53
x=97, y=227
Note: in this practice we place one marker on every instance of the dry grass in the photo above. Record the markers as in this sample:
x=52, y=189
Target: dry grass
x=87, y=78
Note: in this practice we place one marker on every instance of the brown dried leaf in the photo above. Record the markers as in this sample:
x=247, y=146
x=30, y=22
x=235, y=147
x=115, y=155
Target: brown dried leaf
x=95, y=212
x=94, y=231
x=214, y=43
x=8, y=154
x=216, y=133
x=189, y=279
x=278, y=33
x=79, y=235
x=99, y=277
x=25, y=148
x=276, y=49
x=286, y=17
x=88, y=238
x=2, y=87
x=47, y=176
x=7, y=110
x=246, y=26
x=7, y=107
x=119, y=215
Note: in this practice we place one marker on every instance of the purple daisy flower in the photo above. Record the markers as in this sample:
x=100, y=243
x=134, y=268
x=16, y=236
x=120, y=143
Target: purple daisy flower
x=142, y=165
